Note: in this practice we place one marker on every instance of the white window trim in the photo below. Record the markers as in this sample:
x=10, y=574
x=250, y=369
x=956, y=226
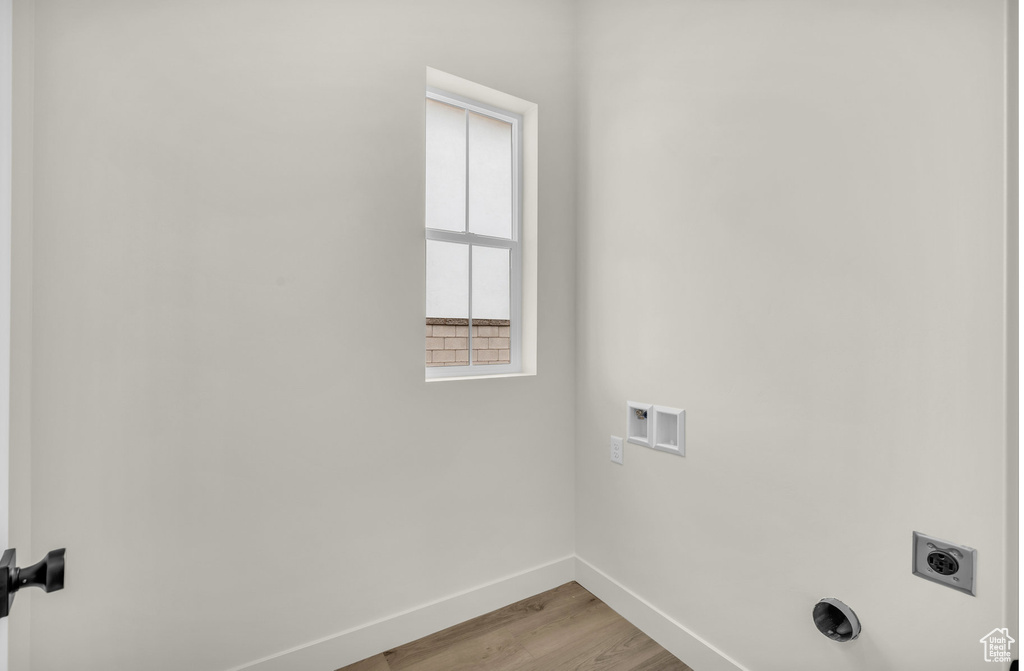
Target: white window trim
x=514, y=245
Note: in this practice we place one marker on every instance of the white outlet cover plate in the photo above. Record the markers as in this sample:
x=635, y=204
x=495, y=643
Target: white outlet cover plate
x=966, y=558
x=615, y=443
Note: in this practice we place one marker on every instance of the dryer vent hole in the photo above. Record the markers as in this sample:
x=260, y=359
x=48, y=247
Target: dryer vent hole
x=942, y=563
x=836, y=620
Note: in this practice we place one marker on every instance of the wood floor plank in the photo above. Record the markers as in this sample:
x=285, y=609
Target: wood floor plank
x=627, y=654
x=375, y=663
x=663, y=661
x=540, y=606
x=575, y=630
x=564, y=629
x=622, y=652
x=490, y=652
x=573, y=607
x=581, y=652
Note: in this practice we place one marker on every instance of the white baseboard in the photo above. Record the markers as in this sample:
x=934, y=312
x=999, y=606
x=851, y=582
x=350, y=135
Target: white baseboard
x=352, y=645
x=669, y=634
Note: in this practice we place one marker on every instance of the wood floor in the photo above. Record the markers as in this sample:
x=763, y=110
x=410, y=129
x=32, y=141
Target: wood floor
x=564, y=629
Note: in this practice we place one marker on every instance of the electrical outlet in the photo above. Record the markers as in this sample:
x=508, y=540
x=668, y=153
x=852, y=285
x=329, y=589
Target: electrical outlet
x=616, y=445
x=946, y=563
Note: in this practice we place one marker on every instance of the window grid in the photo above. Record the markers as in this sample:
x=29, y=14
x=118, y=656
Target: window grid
x=466, y=237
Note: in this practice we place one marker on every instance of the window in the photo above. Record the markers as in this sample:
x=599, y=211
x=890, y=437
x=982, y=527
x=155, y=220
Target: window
x=473, y=237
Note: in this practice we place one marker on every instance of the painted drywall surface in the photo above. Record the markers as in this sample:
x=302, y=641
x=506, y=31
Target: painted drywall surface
x=20, y=489
x=1013, y=316
x=226, y=193
x=792, y=225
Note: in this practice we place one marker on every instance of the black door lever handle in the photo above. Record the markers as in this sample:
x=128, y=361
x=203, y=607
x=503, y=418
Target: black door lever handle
x=48, y=575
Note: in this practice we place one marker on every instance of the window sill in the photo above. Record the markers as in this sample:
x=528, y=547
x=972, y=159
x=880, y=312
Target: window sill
x=479, y=377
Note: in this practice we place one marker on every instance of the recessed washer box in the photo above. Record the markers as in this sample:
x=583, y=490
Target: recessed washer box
x=639, y=423
x=670, y=430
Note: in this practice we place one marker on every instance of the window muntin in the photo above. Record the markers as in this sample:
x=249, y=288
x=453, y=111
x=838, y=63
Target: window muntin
x=472, y=217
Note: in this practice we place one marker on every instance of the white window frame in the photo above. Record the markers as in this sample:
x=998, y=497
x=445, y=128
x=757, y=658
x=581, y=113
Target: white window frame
x=514, y=245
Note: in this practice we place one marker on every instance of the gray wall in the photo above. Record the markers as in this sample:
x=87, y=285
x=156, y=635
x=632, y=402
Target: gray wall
x=792, y=225
x=20, y=491
x=226, y=193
